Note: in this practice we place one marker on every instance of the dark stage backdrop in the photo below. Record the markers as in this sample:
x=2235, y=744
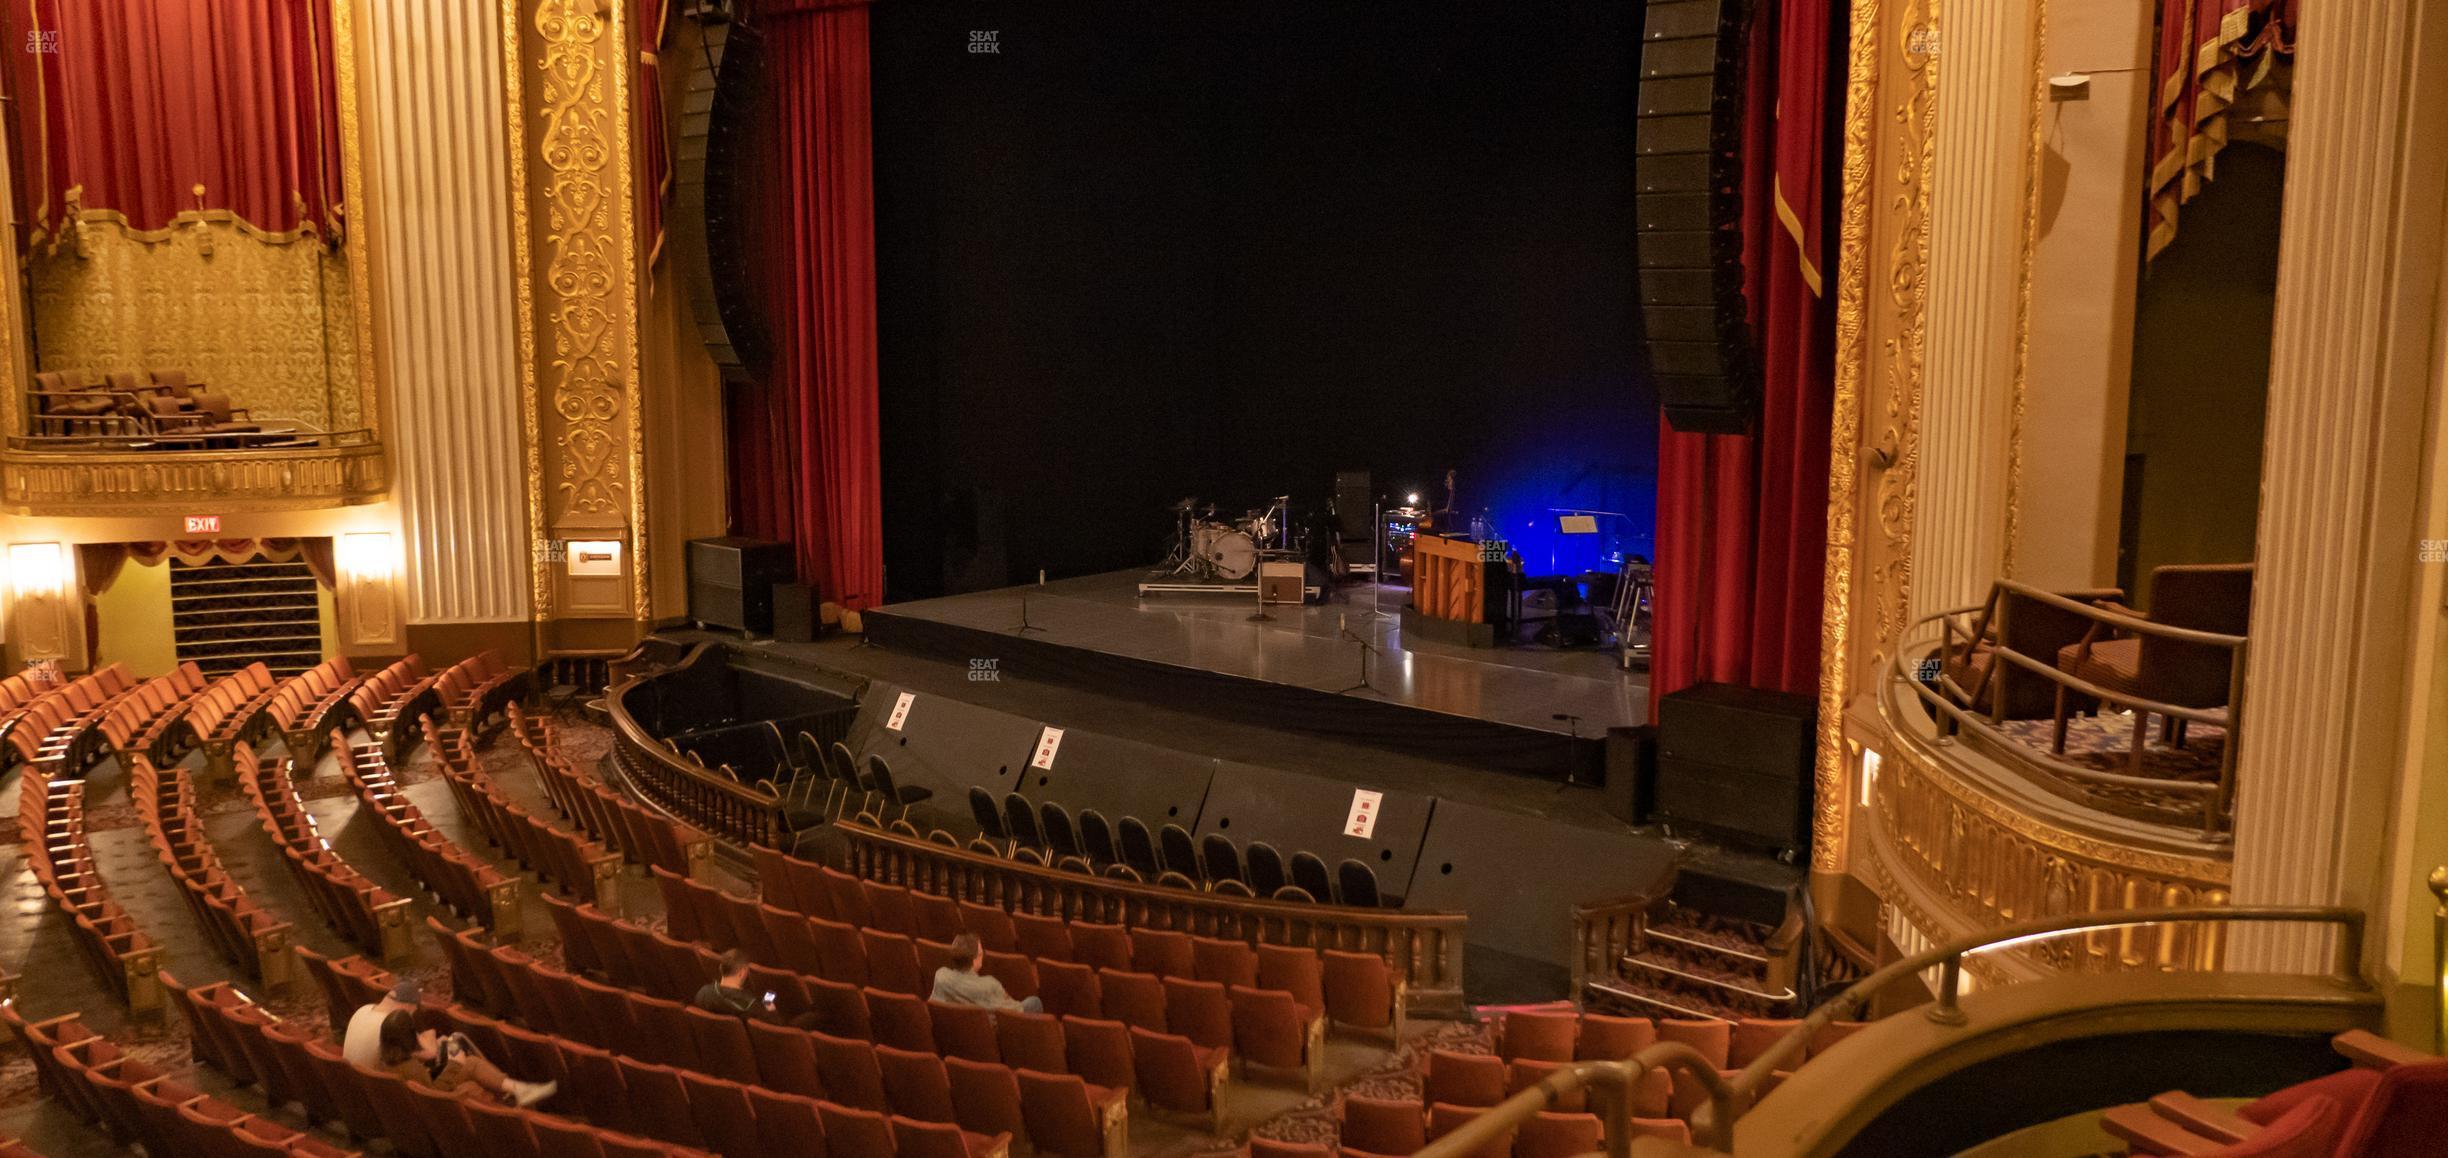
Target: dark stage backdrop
x=1146, y=250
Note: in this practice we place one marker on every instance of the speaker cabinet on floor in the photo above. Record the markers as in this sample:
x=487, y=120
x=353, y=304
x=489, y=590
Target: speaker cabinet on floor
x=1688, y=215
x=731, y=581
x=794, y=612
x=1736, y=763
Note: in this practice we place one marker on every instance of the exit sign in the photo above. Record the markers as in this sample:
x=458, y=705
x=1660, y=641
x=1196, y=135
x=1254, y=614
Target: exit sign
x=203, y=524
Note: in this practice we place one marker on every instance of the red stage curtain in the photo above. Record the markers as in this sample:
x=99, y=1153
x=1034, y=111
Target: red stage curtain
x=1742, y=519
x=128, y=108
x=2213, y=56
x=804, y=444
x=654, y=135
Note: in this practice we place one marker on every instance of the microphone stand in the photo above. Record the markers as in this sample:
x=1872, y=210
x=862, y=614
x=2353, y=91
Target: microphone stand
x=1366, y=649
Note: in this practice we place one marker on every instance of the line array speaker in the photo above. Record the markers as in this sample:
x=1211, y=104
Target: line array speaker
x=1688, y=216
x=712, y=228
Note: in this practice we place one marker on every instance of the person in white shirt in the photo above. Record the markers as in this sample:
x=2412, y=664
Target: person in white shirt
x=361, y=1044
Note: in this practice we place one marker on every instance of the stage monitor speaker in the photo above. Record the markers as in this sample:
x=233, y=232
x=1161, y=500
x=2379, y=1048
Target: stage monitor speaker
x=794, y=613
x=1687, y=214
x=945, y=745
x=1480, y=861
x=1298, y=813
x=731, y=581
x=1119, y=778
x=1736, y=762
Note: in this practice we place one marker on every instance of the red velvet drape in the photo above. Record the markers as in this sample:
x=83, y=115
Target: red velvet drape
x=804, y=449
x=1742, y=519
x=653, y=133
x=2213, y=55
x=150, y=109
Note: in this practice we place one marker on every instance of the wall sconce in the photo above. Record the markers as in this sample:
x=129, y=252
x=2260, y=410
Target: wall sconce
x=366, y=561
x=594, y=558
x=1870, y=760
x=37, y=570
x=367, y=555
x=40, y=578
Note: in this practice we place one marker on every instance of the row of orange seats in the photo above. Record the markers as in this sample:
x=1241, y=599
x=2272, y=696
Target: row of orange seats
x=468, y=885
x=603, y=812
x=145, y=723
x=39, y=717
x=230, y=713
x=564, y=858
x=139, y=1104
x=311, y=704
x=253, y=1047
x=246, y=932
x=690, y=1107
x=391, y=700
x=1354, y=989
x=51, y=815
x=474, y=689
x=1265, y=1027
x=363, y=911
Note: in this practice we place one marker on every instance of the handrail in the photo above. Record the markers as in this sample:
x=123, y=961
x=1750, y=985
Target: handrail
x=1424, y=950
x=2439, y=958
x=1729, y=1100
x=712, y=802
x=1950, y=700
x=1615, y=1078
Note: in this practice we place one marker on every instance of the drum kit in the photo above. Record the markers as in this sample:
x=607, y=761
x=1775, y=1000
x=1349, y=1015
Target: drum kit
x=1205, y=547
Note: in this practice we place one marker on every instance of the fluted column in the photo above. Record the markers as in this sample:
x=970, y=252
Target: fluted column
x=1976, y=226
x=2358, y=271
x=435, y=96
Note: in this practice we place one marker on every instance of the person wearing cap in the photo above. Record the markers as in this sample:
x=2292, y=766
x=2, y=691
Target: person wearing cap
x=361, y=1043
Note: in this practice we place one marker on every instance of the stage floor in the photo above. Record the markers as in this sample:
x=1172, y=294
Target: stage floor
x=1564, y=692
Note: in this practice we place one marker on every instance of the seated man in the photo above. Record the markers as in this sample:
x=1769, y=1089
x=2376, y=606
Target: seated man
x=728, y=993
x=449, y=1061
x=960, y=983
x=361, y=1038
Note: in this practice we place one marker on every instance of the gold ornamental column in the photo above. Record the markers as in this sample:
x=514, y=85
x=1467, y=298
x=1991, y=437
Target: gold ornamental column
x=568, y=75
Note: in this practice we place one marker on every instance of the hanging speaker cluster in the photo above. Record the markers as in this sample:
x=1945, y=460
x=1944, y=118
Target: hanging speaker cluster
x=713, y=222
x=1688, y=215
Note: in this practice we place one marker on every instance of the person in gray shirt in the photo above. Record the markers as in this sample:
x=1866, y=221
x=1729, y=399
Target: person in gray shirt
x=960, y=983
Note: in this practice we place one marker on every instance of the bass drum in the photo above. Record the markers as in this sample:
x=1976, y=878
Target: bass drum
x=1230, y=552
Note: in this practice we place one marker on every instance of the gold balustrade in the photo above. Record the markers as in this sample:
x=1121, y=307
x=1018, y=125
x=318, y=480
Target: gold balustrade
x=345, y=470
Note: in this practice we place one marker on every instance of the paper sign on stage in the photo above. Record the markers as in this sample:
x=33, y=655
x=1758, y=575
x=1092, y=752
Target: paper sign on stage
x=1048, y=742
x=1363, y=820
x=900, y=712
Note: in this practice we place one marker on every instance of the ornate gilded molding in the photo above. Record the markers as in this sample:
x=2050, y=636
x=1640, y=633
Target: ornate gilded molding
x=358, y=239
x=2023, y=287
x=514, y=136
x=584, y=370
x=172, y=482
x=1990, y=863
x=579, y=290
x=1852, y=281
x=1904, y=353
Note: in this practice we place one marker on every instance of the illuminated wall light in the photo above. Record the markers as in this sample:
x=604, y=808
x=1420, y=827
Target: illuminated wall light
x=367, y=555
x=1870, y=761
x=38, y=570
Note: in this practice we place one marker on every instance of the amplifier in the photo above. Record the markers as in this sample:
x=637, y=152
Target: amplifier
x=794, y=612
x=1282, y=581
x=1737, y=762
x=731, y=581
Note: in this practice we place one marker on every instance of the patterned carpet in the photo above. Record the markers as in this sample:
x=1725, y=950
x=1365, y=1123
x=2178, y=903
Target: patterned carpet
x=2104, y=743
x=1319, y=1119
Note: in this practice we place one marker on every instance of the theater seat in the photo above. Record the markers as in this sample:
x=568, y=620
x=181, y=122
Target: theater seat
x=1463, y=1079
x=1099, y=1051
x=1557, y=1135
x=1383, y=1125
x=1444, y=1119
x=1066, y=1116
x=985, y=1098
x=1539, y=1036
